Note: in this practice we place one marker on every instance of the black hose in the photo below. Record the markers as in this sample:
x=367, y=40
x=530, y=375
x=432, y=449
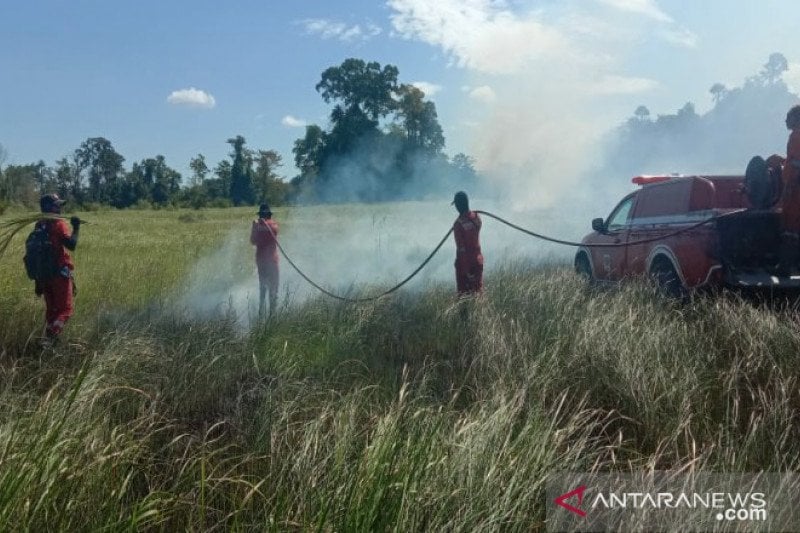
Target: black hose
x=610, y=245
x=366, y=298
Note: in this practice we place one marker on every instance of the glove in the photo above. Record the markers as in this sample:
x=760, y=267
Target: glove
x=76, y=222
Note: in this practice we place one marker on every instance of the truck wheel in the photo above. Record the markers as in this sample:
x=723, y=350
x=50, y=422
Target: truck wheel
x=667, y=280
x=584, y=269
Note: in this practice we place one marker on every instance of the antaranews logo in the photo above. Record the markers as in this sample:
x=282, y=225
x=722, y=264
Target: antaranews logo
x=562, y=501
x=668, y=501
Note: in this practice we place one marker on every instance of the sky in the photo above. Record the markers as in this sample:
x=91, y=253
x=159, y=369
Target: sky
x=524, y=86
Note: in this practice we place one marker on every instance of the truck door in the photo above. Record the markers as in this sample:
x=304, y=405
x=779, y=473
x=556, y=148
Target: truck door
x=609, y=261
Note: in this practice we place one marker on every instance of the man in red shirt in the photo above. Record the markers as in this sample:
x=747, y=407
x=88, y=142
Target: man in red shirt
x=263, y=235
x=790, y=197
x=469, y=261
x=58, y=290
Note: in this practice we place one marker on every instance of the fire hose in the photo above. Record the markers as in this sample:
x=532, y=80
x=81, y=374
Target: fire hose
x=503, y=221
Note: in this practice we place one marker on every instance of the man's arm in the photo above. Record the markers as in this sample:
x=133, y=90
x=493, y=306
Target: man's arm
x=71, y=242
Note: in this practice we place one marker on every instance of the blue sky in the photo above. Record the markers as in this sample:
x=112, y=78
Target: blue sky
x=514, y=81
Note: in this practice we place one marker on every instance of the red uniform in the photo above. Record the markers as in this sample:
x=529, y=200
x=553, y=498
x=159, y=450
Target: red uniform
x=469, y=261
x=266, y=252
x=790, y=199
x=58, y=291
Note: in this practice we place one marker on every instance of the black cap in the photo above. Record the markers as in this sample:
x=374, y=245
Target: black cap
x=264, y=210
x=460, y=196
x=48, y=201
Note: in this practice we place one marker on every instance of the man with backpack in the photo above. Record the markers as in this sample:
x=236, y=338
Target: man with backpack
x=49, y=264
x=263, y=235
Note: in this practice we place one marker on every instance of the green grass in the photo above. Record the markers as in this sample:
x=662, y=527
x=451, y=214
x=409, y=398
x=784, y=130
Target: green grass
x=416, y=412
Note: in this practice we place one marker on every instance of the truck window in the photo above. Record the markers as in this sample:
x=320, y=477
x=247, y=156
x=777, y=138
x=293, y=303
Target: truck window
x=619, y=217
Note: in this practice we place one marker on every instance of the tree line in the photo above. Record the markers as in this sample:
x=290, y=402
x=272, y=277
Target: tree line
x=745, y=120
x=384, y=142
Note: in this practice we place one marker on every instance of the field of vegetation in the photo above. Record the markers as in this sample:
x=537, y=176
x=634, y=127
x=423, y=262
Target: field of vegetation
x=416, y=412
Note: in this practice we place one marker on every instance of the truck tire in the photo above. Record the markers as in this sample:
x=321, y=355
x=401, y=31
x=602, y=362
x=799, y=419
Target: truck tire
x=667, y=280
x=584, y=269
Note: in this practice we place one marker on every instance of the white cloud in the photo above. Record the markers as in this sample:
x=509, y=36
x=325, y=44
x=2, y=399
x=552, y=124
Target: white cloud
x=612, y=84
x=292, y=122
x=681, y=37
x=430, y=89
x=192, y=97
x=647, y=8
x=332, y=29
x=479, y=34
x=484, y=94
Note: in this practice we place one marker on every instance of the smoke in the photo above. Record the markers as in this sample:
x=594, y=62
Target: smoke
x=361, y=249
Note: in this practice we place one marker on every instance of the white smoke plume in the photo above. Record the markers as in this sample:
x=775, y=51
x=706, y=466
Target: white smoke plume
x=361, y=248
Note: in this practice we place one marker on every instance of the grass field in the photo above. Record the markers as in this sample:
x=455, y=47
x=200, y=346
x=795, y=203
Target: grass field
x=417, y=412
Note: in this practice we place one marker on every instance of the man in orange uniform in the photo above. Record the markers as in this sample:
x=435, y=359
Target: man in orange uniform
x=263, y=235
x=469, y=261
x=58, y=290
x=790, y=199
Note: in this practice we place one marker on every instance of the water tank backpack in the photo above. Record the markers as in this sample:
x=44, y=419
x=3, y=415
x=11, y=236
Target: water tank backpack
x=40, y=258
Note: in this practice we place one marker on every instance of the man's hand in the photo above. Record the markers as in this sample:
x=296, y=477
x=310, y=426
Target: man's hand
x=37, y=288
x=76, y=223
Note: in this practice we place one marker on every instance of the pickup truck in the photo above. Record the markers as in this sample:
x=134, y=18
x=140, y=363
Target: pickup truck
x=738, y=248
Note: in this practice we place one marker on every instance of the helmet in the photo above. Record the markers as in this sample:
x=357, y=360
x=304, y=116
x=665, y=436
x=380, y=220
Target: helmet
x=49, y=201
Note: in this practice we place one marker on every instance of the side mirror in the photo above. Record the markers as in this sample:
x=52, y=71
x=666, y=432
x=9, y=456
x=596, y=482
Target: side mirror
x=598, y=225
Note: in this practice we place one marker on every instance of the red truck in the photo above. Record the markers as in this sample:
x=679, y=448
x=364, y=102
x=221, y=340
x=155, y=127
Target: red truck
x=738, y=248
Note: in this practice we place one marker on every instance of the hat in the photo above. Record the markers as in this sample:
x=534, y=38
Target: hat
x=264, y=209
x=460, y=196
x=47, y=201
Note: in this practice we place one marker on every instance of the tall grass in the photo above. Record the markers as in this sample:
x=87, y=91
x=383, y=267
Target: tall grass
x=414, y=413
x=418, y=412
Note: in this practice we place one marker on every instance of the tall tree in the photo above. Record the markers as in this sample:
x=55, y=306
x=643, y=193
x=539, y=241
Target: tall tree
x=718, y=92
x=266, y=182
x=308, y=150
x=103, y=165
x=199, y=169
x=360, y=85
x=774, y=68
x=642, y=113
x=241, y=191
x=420, y=120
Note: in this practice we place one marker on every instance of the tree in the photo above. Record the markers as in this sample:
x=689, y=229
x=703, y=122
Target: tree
x=718, y=92
x=420, y=120
x=19, y=184
x=199, y=169
x=774, y=68
x=68, y=179
x=103, y=164
x=267, y=184
x=642, y=113
x=308, y=151
x=359, y=85
x=241, y=191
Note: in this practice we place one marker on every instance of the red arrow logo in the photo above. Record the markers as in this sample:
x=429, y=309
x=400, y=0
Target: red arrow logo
x=562, y=500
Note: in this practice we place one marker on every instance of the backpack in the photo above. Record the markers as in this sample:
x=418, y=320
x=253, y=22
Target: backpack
x=40, y=258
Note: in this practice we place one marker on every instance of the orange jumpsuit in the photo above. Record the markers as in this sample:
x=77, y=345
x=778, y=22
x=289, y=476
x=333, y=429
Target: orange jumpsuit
x=790, y=199
x=266, y=253
x=58, y=290
x=469, y=261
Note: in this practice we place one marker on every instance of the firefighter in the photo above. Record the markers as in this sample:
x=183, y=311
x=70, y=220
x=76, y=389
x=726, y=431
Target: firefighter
x=469, y=261
x=58, y=290
x=790, y=198
x=263, y=235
